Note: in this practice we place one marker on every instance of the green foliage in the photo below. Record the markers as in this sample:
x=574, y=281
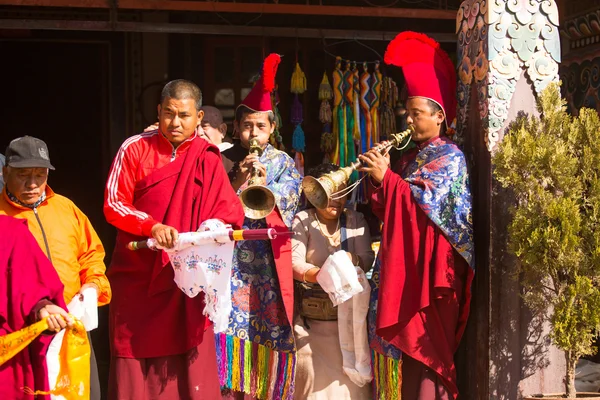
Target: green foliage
x=574, y=313
x=552, y=165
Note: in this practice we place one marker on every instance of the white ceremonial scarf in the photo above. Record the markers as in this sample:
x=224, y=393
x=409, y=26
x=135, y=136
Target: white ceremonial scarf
x=349, y=290
x=205, y=266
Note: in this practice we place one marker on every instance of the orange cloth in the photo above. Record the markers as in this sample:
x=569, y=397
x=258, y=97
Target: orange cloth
x=74, y=376
x=75, y=249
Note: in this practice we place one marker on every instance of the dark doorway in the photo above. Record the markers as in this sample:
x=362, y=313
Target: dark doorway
x=58, y=91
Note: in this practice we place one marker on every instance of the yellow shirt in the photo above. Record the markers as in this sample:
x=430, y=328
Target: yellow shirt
x=75, y=249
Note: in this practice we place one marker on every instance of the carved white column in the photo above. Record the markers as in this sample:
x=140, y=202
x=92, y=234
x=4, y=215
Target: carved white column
x=498, y=40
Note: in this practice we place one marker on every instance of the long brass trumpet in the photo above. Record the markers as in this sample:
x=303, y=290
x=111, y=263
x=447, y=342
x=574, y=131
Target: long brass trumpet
x=320, y=191
x=257, y=199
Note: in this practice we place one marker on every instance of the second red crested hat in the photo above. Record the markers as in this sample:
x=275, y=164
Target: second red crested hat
x=259, y=98
x=427, y=69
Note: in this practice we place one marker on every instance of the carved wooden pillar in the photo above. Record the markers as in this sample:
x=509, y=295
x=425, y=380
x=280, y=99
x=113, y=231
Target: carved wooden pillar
x=508, y=51
x=580, y=69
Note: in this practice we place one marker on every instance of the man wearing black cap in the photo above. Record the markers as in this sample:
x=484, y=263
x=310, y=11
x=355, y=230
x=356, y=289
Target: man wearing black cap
x=61, y=229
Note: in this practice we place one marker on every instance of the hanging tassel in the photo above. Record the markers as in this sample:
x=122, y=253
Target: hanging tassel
x=325, y=114
x=297, y=111
x=298, y=143
x=325, y=89
x=327, y=139
x=298, y=81
x=327, y=142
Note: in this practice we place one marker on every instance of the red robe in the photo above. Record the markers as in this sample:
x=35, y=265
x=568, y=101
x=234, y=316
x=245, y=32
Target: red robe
x=28, y=281
x=424, y=292
x=149, y=315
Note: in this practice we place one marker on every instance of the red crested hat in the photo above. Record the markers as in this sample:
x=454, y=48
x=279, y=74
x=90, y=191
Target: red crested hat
x=427, y=69
x=259, y=98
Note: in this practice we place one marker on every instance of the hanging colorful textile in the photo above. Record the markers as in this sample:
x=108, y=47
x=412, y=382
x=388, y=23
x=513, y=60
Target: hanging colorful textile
x=386, y=111
x=358, y=196
x=365, y=124
x=298, y=87
x=365, y=107
x=347, y=152
x=325, y=116
x=376, y=81
x=339, y=118
x=357, y=132
x=74, y=376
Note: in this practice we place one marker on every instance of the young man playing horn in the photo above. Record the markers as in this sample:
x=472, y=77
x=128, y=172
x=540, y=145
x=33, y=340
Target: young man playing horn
x=163, y=182
x=425, y=265
x=257, y=352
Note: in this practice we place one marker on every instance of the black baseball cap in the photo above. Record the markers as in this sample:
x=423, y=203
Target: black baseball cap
x=28, y=152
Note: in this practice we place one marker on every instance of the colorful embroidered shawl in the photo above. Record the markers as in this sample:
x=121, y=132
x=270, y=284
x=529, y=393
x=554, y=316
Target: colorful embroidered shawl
x=256, y=354
x=439, y=182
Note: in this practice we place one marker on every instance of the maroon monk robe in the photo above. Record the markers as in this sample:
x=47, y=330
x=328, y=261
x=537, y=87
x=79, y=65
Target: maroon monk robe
x=149, y=315
x=28, y=281
x=424, y=281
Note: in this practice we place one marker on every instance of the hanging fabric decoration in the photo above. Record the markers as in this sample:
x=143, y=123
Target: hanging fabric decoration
x=339, y=118
x=325, y=116
x=347, y=152
x=365, y=109
x=357, y=131
x=389, y=101
x=356, y=105
x=298, y=81
x=365, y=144
x=298, y=86
x=376, y=82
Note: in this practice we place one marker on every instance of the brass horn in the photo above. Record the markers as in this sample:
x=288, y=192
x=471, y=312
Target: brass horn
x=320, y=191
x=257, y=199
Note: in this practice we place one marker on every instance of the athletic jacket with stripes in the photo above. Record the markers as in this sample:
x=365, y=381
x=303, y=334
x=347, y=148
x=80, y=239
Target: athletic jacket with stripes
x=138, y=157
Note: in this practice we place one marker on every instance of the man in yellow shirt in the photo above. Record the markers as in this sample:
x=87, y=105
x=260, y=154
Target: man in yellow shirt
x=61, y=229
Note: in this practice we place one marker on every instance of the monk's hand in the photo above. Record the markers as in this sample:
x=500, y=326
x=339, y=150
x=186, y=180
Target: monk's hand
x=165, y=235
x=57, y=317
x=375, y=164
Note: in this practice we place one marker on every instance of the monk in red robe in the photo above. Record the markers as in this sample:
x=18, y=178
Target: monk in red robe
x=163, y=182
x=30, y=290
x=425, y=265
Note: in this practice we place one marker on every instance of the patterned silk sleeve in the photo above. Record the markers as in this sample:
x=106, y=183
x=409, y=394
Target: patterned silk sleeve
x=284, y=180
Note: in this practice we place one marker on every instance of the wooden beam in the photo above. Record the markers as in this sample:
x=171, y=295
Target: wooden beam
x=253, y=8
x=233, y=30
